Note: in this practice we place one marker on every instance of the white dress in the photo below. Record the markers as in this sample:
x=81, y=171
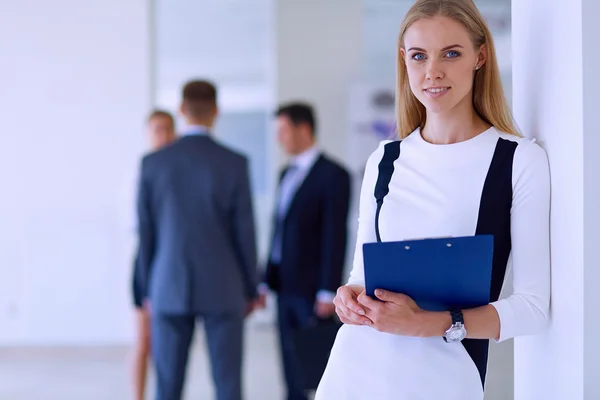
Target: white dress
x=436, y=191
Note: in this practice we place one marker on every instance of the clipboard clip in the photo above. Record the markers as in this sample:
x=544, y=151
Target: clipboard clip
x=448, y=244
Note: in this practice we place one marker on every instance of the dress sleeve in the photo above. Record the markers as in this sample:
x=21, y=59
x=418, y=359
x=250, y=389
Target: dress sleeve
x=366, y=215
x=526, y=310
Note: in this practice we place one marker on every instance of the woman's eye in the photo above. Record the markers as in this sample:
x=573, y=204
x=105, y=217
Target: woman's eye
x=418, y=57
x=452, y=54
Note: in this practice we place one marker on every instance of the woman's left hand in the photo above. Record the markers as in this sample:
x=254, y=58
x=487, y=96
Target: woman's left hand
x=396, y=313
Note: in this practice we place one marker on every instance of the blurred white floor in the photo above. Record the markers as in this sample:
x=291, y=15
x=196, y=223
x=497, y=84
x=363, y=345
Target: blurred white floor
x=103, y=373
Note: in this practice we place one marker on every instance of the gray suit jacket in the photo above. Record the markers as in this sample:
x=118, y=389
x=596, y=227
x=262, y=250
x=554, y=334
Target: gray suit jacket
x=196, y=229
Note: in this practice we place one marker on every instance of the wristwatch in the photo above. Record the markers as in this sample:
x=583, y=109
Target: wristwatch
x=456, y=332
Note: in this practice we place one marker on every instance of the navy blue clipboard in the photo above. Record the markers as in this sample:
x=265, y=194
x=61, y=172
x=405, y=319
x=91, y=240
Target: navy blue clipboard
x=439, y=274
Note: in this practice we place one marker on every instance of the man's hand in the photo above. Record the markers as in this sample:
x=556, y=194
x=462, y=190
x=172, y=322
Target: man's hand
x=258, y=303
x=146, y=306
x=324, y=309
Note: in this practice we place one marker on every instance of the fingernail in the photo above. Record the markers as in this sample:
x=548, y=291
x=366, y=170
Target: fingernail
x=361, y=312
x=368, y=323
x=379, y=292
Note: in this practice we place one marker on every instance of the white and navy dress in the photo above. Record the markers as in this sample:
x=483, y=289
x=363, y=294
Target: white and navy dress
x=494, y=183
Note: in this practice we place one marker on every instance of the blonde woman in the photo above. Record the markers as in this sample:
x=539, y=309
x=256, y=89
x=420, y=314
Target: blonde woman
x=460, y=168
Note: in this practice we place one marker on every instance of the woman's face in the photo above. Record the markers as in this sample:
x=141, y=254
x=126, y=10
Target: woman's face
x=441, y=60
x=161, y=131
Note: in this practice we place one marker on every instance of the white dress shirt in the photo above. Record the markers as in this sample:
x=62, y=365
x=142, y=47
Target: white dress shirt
x=299, y=167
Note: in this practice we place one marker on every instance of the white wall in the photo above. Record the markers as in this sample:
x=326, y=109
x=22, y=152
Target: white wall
x=318, y=56
x=230, y=46
x=75, y=90
x=555, y=99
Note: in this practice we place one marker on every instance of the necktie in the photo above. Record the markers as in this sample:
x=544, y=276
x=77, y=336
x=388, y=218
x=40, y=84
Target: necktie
x=286, y=194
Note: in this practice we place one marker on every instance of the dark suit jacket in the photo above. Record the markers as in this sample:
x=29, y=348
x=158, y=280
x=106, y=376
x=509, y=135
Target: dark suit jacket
x=314, y=233
x=196, y=229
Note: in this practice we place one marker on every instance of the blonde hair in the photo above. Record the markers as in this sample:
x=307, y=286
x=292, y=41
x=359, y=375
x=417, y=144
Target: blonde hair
x=488, y=96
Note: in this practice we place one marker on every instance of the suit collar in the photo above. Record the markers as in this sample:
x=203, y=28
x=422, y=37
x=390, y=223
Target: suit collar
x=306, y=159
x=195, y=130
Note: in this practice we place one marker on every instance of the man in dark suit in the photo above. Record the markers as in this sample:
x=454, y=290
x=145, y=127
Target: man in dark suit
x=309, y=243
x=197, y=249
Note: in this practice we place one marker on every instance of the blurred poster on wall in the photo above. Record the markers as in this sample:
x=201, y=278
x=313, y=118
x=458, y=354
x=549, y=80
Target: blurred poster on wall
x=372, y=119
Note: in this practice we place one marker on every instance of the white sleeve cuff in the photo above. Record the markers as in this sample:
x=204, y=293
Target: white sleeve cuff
x=505, y=313
x=263, y=288
x=325, y=296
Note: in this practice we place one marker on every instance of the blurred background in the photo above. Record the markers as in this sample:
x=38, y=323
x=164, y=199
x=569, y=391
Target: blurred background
x=78, y=79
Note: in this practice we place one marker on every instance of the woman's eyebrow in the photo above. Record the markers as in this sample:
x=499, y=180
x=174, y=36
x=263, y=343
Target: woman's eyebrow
x=444, y=49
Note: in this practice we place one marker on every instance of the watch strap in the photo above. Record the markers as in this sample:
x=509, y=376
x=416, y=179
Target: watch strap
x=457, y=317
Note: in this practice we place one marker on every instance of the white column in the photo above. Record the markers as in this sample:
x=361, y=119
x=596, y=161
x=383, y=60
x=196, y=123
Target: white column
x=556, y=86
x=591, y=224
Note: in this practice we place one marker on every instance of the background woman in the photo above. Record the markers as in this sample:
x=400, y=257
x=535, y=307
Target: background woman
x=161, y=132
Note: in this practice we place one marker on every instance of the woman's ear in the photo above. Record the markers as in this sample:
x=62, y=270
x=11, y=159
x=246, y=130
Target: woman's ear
x=403, y=54
x=482, y=58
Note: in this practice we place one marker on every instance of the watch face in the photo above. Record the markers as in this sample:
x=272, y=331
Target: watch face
x=456, y=333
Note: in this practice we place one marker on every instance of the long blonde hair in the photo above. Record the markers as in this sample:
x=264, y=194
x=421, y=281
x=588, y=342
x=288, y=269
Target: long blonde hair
x=488, y=96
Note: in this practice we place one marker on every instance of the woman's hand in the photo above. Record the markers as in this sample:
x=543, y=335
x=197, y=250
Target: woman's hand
x=396, y=313
x=347, y=306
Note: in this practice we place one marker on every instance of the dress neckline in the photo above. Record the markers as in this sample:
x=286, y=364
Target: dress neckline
x=458, y=145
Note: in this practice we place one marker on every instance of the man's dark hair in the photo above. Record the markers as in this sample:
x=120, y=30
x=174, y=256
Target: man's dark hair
x=299, y=113
x=161, y=114
x=199, y=98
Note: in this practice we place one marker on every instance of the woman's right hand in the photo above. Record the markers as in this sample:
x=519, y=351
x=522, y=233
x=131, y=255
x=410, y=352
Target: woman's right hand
x=347, y=306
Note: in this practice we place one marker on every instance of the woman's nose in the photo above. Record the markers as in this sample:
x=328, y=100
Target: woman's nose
x=434, y=71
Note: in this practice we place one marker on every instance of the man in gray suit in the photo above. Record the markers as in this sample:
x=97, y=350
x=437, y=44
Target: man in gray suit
x=197, y=249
